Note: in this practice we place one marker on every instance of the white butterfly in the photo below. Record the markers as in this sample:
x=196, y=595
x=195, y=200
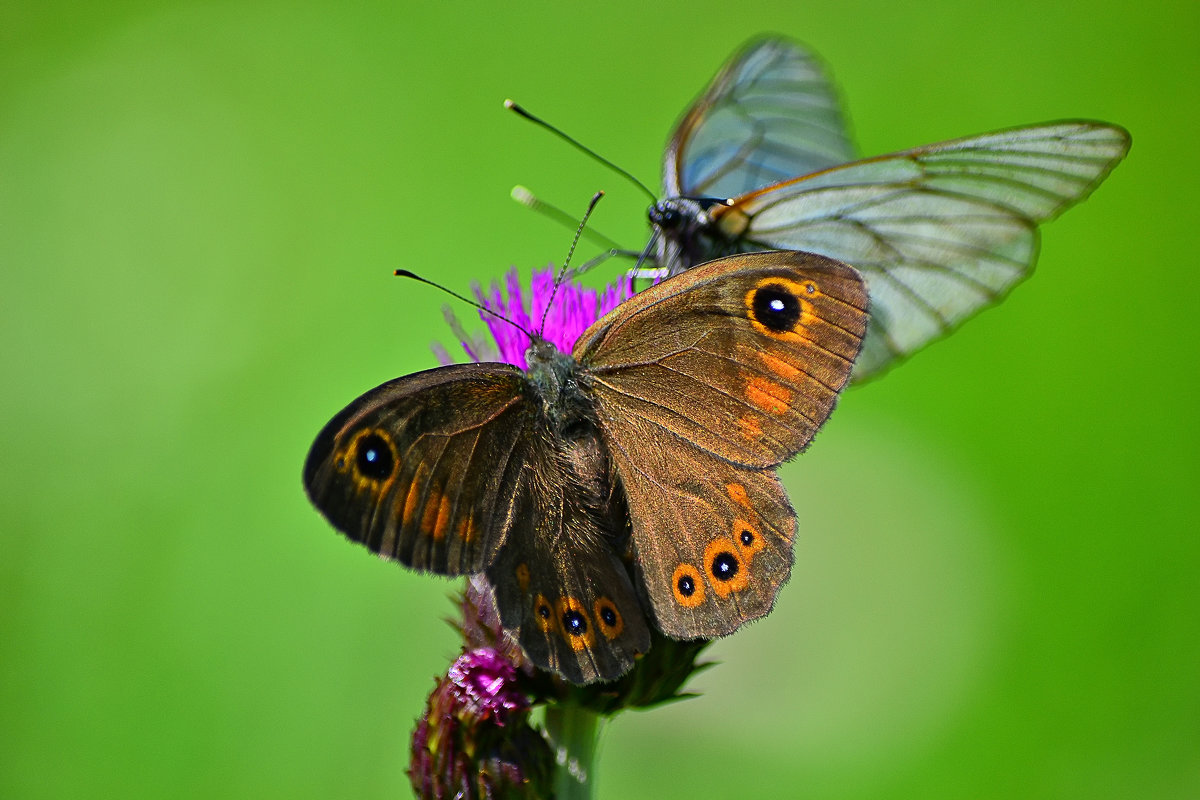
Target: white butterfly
x=762, y=161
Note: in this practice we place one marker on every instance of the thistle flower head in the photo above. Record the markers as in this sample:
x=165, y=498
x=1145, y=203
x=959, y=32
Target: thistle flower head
x=572, y=308
x=474, y=740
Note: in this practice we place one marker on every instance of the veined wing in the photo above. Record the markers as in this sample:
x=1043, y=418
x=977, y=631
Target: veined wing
x=938, y=232
x=771, y=114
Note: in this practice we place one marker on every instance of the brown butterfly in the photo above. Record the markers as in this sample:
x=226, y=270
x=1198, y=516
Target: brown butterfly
x=627, y=483
x=762, y=161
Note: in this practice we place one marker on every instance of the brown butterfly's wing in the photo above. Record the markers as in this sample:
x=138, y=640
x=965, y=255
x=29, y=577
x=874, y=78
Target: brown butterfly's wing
x=743, y=357
x=703, y=384
x=771, y=114
x=560, y=585
x=424, y=469
x=713, y=540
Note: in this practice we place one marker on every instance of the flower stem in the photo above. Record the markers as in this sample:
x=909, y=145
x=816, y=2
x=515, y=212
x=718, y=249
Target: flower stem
x=573, y=732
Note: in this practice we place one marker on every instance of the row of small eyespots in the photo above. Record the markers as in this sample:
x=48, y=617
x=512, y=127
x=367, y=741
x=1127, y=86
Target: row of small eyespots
x=726, y=560
x=569, y=618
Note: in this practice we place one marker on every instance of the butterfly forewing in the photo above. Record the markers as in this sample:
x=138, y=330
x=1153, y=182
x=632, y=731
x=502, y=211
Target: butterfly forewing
x=746, y=363
x=424, y=469
x=772, y=113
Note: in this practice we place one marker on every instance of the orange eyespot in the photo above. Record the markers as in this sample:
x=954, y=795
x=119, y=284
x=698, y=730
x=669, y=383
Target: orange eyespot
x=371, y=455
x=781, y=308
x=687, y=586
x=574, y=624
x=737, y=493
x=522, y=575
x=727, y=571
x=543, y=614
x=747, y=538
x=608, y=618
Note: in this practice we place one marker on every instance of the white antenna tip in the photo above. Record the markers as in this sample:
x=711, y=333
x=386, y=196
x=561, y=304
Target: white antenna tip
x=508, y=103
x=523, y=196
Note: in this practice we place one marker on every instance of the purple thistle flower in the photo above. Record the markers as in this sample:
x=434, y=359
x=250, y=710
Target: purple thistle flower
x=572, y=309
x=474, y=740
x=484, y=681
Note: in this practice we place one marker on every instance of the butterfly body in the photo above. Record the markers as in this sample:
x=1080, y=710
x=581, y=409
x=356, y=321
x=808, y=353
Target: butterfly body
x=628, y=483
x=687, y=235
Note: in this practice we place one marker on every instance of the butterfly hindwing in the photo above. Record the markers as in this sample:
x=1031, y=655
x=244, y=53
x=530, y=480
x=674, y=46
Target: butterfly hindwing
x=560, y=584
x=424, y=468
x=737, y=550
x=744, y=359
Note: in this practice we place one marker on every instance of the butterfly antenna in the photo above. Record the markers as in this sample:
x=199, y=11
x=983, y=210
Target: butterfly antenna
x=529, y=200
x=511, y=106
x=567, y=261
x=403, y=273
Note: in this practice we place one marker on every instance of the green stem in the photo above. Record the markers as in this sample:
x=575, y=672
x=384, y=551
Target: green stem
x=573, y=732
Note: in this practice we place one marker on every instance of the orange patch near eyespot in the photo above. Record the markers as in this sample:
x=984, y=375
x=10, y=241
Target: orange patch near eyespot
x=543, y=614
x=768, y=395
x=443, y=518
x=414, y=494
x=522, y=575
x=747, y=538
x=737, y=493
x=688, y=586
x=574, y=625
x=777, y=365
x=606, y=608
x=726, y=569
x=429, y=517
x=466, y=529
x=749, y=427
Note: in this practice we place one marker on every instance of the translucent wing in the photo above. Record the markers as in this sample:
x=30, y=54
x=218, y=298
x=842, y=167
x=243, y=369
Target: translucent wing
x=938, y=232
x=770, y=114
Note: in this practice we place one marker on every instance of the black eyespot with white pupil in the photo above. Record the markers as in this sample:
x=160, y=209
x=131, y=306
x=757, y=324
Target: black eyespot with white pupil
x=574, y=623
x=372, y=457
x=543, y=611
x=686, y=586
x=747, y=537
x=724, y=566
x=776, y=308
x=608, y=616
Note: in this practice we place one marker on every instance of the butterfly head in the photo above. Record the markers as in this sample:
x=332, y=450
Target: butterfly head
x=676, y=214
x=550, y=370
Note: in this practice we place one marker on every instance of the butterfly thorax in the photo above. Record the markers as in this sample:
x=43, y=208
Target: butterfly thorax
x=556, y=378
x=580, y=455
x=687, y=233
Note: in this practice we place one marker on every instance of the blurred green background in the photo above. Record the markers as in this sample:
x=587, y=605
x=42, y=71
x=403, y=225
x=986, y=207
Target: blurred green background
x=200, y=208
